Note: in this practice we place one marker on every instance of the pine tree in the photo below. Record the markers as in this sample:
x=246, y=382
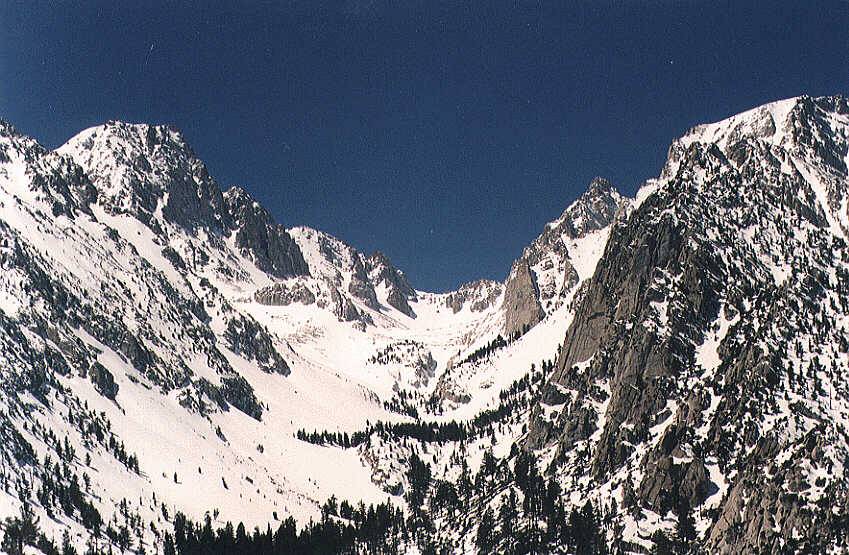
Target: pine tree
x=168, y=545
x=68, y=548
x=507, y=515
x=662, y=544
x=418, y=476
x=20, y=531
x=485, y=534
x=685, y=530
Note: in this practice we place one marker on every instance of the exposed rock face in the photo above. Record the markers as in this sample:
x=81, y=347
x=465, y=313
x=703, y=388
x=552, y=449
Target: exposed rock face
x=398, y=300
x=521, y=305
x=360, y=286
x=266, y=242
x=594, y=210
x=284, y=294
x=704, y=321
x=349, y=278
x=553, y=256
x=346, y=310
x=103, y=380
x=446, y=390
x=410, y=354
x=363, y=290
x=239, y=393
x=174, y=258
x=478, y=295
x=135, y=352
x=56, y=178
x=247, y=338
x=764, y=509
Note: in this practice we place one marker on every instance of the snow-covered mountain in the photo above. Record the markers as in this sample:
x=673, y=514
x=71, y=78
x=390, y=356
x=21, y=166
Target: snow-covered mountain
x=193, y=335
x=665, y=369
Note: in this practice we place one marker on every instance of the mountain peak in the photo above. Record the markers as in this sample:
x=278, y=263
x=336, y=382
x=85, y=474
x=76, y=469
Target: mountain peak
x=593, y=210
x=599, y=185
x=129, y=137
x=766, y=121
x=774, y=121
x=801, y=126
x=140, y=168
x=237, y=196
x=7, y=129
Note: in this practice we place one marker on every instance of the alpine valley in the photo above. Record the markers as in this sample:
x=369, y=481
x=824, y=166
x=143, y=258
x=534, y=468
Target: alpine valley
x=179, y=373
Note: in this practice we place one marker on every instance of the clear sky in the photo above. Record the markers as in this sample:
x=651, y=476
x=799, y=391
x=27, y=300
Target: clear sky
x=444, y=134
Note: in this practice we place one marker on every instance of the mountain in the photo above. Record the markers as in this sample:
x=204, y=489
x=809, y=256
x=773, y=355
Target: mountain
x=151, y=173
x=665, y=373
x=703, y=376
x=165, y=341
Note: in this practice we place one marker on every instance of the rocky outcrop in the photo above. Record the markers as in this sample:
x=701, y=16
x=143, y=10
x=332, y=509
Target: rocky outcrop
x=477, y=295
x=239, y=393
x=363, y=290
x=764, y=512
x=284, y=294
x=233, y=391
x=371, y=281
x=247, y=338
x=411, y=354
x=174, y=258
x=67, y=187
x=360, y=287
x=103, y=380
x=135, y=352
x=345, y=310
x=261, y=239
x=396, y=299
x=594, y=210
x=521, y=300
x=381, y=272
x=447, y=390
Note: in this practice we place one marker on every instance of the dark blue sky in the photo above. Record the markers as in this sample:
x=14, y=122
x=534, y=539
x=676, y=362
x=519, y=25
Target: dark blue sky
x=444, y=134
